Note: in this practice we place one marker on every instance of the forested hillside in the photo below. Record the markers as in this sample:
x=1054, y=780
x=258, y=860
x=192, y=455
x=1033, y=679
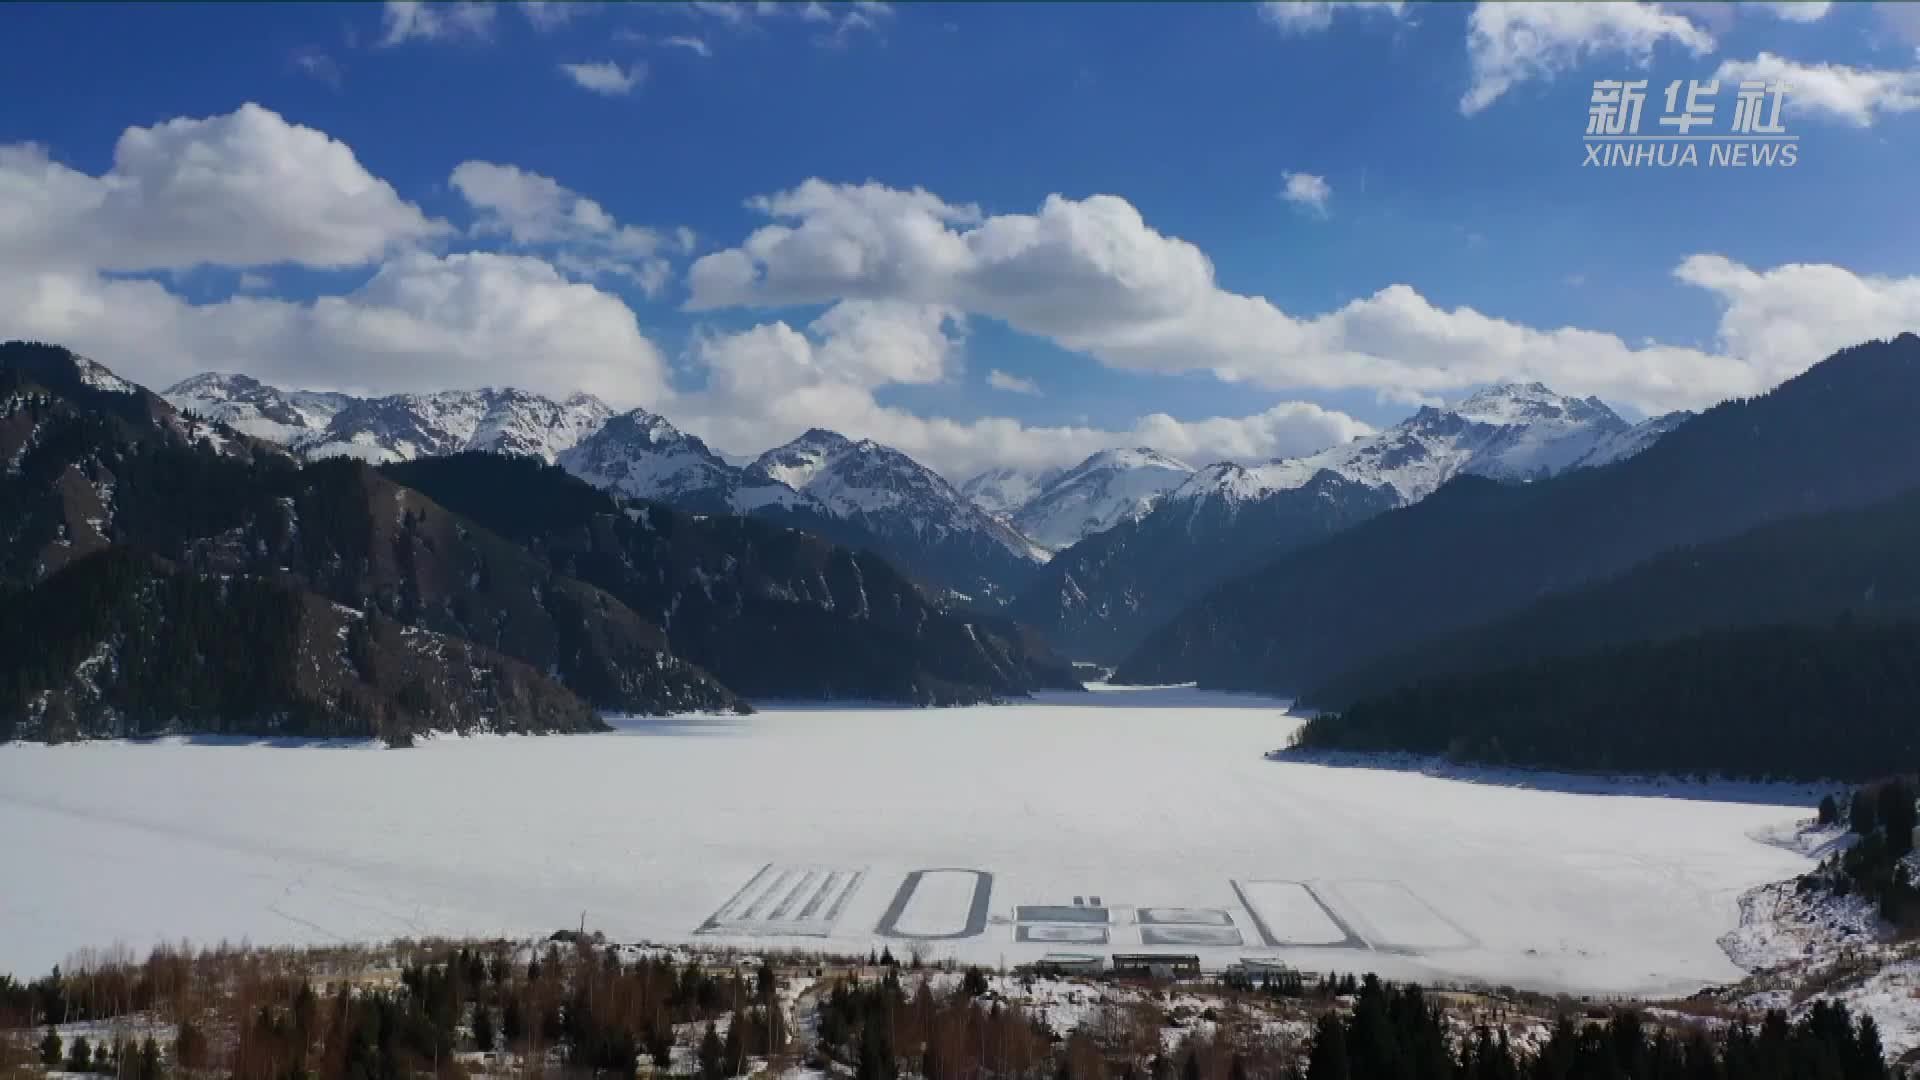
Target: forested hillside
x=770, y=611
x=1806, y=569
x=93, y=463
x=118, y=644
x=1804, y=702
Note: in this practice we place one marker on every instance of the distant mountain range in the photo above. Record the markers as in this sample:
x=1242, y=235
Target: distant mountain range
x=1840, y=435
x=398, y=427
x=364, y=605
x=1095, y=556
x=858, y=493
x=1103, y=595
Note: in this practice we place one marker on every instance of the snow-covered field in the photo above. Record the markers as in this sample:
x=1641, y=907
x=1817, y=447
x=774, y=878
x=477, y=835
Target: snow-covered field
x=1036, y=827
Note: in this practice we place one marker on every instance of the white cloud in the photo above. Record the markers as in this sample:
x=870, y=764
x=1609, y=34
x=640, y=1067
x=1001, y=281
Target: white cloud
x=318, y=66
x=535, y=211
x=837, y=22
x=243, y=189
x=409, y=20
x=1801, y=11
x=551, y=14
x=1012, y=384
x=249, y=190
x=606, y=77
x=423, y=322
x=771, y=382
x=1307, y=191
x=1092, y=276
x=1855, y=95
x=688, y=42
x=1308, y=16
x=1782, y=320
x=1511, y=43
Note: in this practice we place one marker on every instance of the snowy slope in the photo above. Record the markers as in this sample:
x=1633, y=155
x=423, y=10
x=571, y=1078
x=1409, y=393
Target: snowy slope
x=1510, y=432
x=248, y=405
x=399, y=427
x=642, y=455
x=1633, y=440
x=1110, y=487
x=889, y=492
x=1003, y=491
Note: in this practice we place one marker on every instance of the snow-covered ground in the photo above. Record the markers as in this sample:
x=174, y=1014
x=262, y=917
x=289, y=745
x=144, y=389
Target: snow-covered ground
x=800, y=827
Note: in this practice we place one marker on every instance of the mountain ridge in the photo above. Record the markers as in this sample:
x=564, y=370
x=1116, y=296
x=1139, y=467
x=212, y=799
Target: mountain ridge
x=1837, y=435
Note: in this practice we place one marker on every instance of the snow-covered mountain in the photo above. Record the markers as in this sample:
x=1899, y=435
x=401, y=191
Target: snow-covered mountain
x=1102, y=595
x=887, y=489
x=398, y=427
x=248, y=405
x=1633, y=440
x=1110, y=487
x=912, y=513
x=642, y=455
x=1512, y=431
x=1003, y=491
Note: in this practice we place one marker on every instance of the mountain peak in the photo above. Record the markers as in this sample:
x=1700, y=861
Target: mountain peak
x=1109, y=487
x=1510, y=403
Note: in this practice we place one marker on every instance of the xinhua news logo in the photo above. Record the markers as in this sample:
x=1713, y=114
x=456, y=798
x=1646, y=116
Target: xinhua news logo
x=1686, y=134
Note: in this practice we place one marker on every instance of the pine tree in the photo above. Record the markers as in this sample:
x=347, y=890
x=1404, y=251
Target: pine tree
x=80, y=1058
x=1328, y=1058
x=149, y=1060
x=483, y=1027
x=735, y=1050
x=50, y=1048
x=712, y=1053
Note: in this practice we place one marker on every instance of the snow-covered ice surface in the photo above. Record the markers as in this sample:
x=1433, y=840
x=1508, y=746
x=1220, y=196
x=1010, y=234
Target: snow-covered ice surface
x=1116, y=800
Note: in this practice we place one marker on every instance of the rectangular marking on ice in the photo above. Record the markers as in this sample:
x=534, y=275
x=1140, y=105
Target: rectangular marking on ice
x=793, y=895
x=1391, y=916
x=787, y=901
x=1288, y=914
x=821, y=894
x=939, y=905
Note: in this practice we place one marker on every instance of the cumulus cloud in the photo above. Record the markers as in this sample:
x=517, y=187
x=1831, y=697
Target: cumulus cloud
x=244, y=189
x=1783, y=319
x=249, y=190
x=770, y=382
x=1856, y=95
x=414, y=20
x=1512, y=43
x=422, y=322
x=1012, y=384
x=1307, y=191
x=606, y=77
x=1092, y=276
x=1309, y=16
x=535, y=211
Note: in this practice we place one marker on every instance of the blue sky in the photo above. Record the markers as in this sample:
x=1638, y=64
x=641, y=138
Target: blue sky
x=1194, y=115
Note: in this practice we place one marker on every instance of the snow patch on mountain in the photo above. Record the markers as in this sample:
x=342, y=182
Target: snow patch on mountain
x=1110, y=487
x=885, y=490
x=398, y=427
x=252, y=407
x=1511, y=431
x=1003, y=491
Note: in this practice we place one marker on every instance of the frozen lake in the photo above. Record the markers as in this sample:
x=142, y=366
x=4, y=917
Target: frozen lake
x=1122, y=821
